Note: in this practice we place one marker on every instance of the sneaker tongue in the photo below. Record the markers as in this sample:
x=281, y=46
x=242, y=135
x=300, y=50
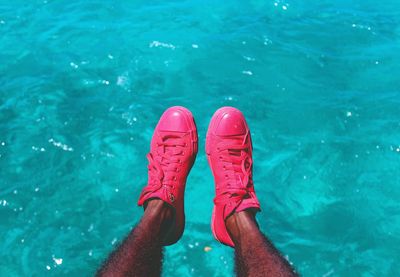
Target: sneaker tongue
x=170, y=138
x=240, y=176
x=170, y=134
x=234, y=140
x=235, y=152
x=168, y=149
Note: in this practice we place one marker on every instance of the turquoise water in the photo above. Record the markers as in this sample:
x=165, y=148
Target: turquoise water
x=82, y=84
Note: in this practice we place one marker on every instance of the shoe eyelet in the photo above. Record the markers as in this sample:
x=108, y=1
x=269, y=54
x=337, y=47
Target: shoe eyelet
x=171, y=197
x=186, y=144
x=174, y=178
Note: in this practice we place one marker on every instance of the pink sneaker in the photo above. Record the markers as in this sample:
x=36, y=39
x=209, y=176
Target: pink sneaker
x=173, y=151
x=229, y=153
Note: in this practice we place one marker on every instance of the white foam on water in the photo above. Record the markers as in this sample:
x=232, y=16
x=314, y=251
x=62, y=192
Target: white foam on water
x=156, y=44
x=267, y=41
x=41, y=149
x=122, y=80
x=58, y=261
x=61, y=145
x=91, y=227
x=249, y=58
x=73, y=65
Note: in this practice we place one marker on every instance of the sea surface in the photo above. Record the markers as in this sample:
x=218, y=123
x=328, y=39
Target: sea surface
x=83, y=83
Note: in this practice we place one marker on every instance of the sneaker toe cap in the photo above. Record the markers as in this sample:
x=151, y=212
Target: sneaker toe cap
x=175, y=119
x=231, y=122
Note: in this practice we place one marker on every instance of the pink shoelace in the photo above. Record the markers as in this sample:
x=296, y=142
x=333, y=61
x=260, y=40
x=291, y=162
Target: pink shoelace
x=164, y=164
x=235, y=160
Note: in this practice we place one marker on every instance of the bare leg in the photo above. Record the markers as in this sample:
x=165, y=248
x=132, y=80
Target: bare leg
x=140, y=254
x=254, y=253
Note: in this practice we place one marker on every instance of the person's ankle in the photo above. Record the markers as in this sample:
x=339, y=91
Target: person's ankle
x=158, y=216
x=159, y=209
x=241, y=223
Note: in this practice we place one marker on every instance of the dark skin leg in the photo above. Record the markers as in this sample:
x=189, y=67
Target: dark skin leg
x=254, y=253
x=140, y=254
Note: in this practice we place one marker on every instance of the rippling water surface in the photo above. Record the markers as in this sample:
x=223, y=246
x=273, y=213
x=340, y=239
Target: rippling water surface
x=83, y=83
